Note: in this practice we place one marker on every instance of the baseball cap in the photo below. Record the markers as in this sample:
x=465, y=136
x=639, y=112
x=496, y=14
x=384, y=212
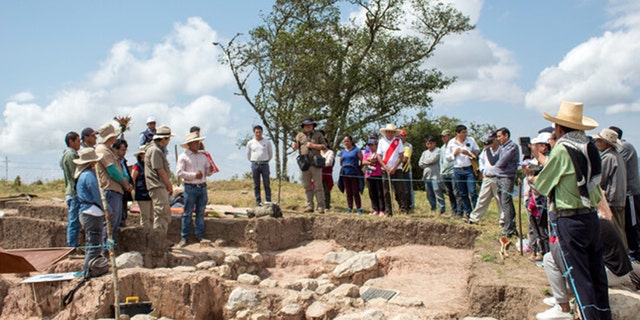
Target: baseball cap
x=491, y=136
x=87, y=132
x=372, y=141
x=151, y=119
x=403, y=133
x=543, y=137
x=446, y=132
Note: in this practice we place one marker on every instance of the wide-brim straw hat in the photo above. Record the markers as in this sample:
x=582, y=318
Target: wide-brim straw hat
x=163, y=132
x=570, y=115
x=86, y=157
x=307, y=121
x=141, y=150
x=610, y=136
x=191, y=137
x=107, y=131
x=390, y=127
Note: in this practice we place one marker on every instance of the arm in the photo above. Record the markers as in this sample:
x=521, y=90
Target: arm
x=135, y=173
x=165, y=179
x=249, y=150
x=142, y=139
x=181, y=169
x=270, y=150
x=450, y=155
x=507, y=156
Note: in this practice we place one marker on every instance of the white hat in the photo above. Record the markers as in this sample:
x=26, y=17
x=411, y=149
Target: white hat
x=543, y=137
x=163, y=132
x=191, y=137
x=390, y=127
x=151, y=119
x=609, y=136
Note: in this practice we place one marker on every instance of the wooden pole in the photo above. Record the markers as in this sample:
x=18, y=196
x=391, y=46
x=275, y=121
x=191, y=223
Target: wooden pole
x=112, y=256
x=519, y=184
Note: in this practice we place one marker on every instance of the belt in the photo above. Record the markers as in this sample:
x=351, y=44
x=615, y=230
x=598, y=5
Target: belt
x=463, y=168
x=490, y=176
x=197, y=185
x=260, y=162
x=573, y=212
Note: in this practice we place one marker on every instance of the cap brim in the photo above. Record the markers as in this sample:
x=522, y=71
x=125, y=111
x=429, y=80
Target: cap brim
x=587, y=123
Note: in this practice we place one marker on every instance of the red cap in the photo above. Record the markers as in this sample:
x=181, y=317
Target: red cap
x=403, y=133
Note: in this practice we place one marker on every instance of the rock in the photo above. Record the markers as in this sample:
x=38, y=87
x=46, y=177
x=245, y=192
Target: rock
x=371, y=314
x=346, y=290
x=232, y=261
x=291, y=312
x=406, y=301
x=131, y=259
x=240, y=299
x=406, y=316
x=319, y=311
x=143, y=317
x=223, y=271
x=624, y=304
x=358, y=263
x=260, y=316
x=217, y=256
x=184, y=269
x=206, y=265
x=325, y=288
x=247, y=278
x=474, y=318
x=256, y=258
x=303, y=284
x=338, y=257
x=268, y=283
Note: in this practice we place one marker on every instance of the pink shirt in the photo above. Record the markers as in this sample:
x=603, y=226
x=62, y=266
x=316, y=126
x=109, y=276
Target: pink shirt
x=189, y=163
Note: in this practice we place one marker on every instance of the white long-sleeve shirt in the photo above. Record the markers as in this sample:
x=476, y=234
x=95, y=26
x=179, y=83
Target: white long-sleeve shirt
x=189, y=163
x=259, y=151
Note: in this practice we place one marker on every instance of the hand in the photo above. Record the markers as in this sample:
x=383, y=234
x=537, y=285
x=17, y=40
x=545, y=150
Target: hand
x=199, y=175
x=170, y=189
x=294, y=146
x=309, y=145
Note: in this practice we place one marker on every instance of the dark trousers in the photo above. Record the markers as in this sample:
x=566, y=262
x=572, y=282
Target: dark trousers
x=376, y=193
x=352, y=189
x=632, y=225
x=448, y=180
x=579, y=238
x=396, y=184
x=261, y=170
x=505, y=188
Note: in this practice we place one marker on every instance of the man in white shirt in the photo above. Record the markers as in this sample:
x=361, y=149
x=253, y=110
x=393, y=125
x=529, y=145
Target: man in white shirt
x=259, y=153
x=489, y=187
x=461, y=151
x=390, y=155
x=193, y=167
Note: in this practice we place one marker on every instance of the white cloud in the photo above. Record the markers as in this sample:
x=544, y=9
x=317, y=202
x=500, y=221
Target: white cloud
x=23, y=96
x=173, y=80
x=601, y=72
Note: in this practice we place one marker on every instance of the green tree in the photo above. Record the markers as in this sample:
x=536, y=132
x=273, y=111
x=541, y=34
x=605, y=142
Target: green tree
x=350, y=77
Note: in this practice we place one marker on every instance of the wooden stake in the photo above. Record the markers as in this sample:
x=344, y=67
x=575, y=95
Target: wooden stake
x=112, y=256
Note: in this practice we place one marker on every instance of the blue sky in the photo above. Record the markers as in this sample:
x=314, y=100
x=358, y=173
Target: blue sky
x=72, y=64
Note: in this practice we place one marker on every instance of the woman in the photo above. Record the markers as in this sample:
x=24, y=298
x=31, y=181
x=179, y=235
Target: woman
x=141, y=194
x=373, y=174
x=351, y=173
x=120, y=147
x=91, y=210
x=327, y=175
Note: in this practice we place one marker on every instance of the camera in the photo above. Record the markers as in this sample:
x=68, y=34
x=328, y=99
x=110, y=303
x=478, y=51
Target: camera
x=524, y=146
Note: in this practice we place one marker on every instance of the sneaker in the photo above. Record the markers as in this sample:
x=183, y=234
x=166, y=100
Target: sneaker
x=321, y=210
x=375, y=213
x=382, y=214
x=182, y=243
x=359, y=210
x=203, y=240
x=308, y=210
x=349, y=210
x=550, y=301
x=555, y=313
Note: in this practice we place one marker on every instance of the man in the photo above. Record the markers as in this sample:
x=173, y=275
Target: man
x=390, y=155
x=430, y=164
x=259, y=153
x=506, y=169
x=409, y=202
x=146, y=136
x=112, y=179
x=156, y=176
x=310, y=142
x=614, y=177
x=196, y=129
x=632, y=203
x=570, y=177
x=193, y=167
x=88, y=137
x=72, y=140
x=461, y=151
x=489, y=188
x=448, y=180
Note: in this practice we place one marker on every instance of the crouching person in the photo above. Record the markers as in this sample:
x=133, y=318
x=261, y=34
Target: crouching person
x=91, y=210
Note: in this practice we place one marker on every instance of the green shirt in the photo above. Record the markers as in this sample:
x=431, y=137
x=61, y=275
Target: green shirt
x=69, y=168
x=559, y=174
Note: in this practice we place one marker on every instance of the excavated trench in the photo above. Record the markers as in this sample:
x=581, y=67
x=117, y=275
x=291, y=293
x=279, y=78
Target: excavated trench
x=257, y=246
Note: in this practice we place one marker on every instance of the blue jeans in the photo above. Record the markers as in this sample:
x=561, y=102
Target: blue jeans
x=93, y=234
x=114, y=206
x=434, y=194
x=73, y=222
x=261, y=170
x=466, y=181
x=194, y=195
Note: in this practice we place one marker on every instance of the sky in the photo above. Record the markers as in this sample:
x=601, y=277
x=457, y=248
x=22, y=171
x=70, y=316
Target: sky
x=71, y=64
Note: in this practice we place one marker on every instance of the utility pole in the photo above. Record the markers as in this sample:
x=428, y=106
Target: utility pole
x=6, y=168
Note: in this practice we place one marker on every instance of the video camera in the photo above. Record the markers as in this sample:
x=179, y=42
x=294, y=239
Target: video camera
x=524, y=147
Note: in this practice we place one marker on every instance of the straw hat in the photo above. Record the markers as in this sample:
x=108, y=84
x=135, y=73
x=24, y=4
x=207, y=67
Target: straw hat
x=141, y=150
x=609, y=136
x=86, y=156
x=107, y=131
x=308, y=120
x=570, y=115
x=390, y=127
x=191, y=137
x=163, y=132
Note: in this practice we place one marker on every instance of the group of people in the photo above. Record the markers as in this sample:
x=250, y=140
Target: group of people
x=96, y=174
